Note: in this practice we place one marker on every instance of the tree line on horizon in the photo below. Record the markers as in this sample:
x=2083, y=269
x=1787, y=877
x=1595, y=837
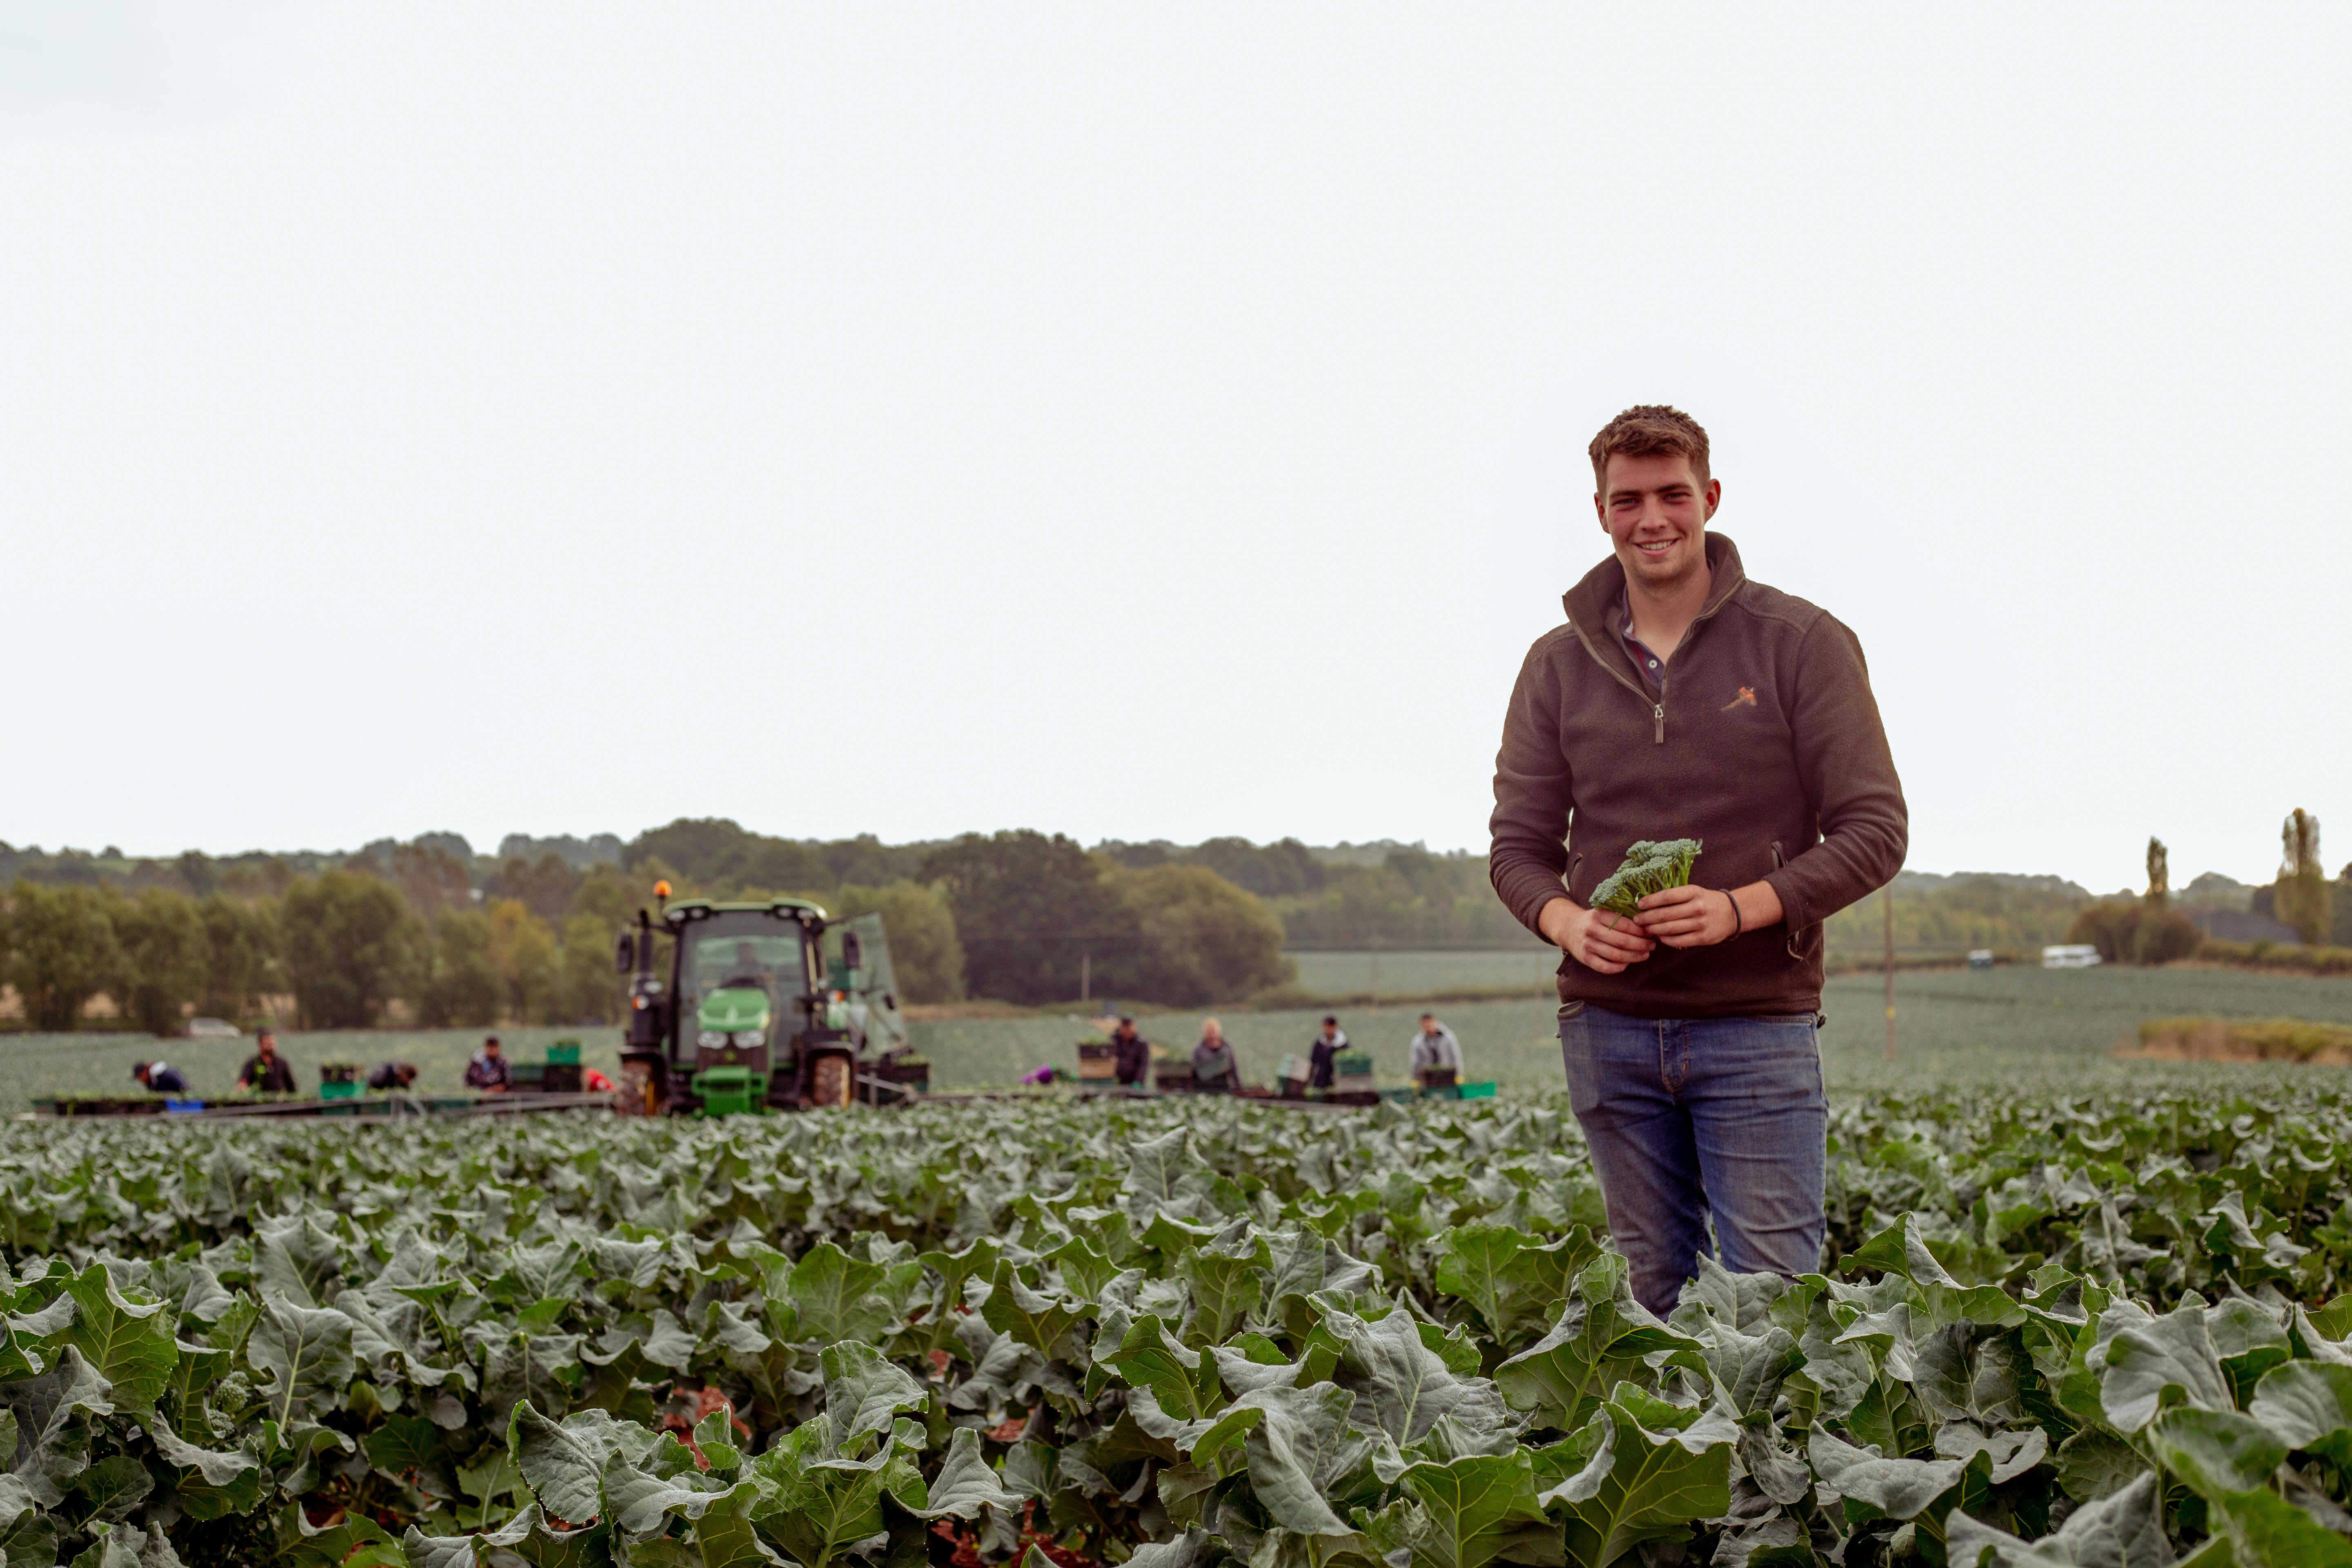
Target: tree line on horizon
x=2018, y=915
x=426, y=932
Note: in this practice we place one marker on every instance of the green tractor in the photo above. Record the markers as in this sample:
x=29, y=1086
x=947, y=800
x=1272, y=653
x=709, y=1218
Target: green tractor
x=766, y=1007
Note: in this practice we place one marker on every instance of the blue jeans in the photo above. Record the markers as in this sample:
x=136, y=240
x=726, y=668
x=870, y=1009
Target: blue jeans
x=1688, y=1117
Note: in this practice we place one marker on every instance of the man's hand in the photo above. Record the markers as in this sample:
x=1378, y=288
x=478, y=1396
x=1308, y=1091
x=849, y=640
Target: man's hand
x=1701, y=917
x=1601, y=940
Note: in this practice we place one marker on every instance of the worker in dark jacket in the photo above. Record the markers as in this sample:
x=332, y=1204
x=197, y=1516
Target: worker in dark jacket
x=489, y=1070
x=161, y=1078
x=390, y=1076
x=1130, y=1056
x=265, y=1071
x=1323, y=1056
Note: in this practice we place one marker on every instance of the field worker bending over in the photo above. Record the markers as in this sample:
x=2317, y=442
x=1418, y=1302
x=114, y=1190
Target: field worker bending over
x=1684, y=700
x=1214, y=1069
x=161, y=1078
x=1436, y=1055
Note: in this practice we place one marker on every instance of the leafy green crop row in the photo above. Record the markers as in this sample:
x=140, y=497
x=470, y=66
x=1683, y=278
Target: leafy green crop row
x=1169, y=1335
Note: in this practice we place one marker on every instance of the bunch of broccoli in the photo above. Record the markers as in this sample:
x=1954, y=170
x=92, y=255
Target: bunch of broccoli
x=1648, y=868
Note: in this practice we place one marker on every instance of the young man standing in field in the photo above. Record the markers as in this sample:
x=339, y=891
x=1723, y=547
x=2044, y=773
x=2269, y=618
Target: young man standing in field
x=1683, y=701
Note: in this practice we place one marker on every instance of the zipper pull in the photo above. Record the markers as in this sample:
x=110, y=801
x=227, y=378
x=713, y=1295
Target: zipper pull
x=1659, y=710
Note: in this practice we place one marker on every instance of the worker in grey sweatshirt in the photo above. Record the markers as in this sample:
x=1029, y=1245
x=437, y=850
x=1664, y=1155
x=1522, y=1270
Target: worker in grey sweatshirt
x=1437, y=1054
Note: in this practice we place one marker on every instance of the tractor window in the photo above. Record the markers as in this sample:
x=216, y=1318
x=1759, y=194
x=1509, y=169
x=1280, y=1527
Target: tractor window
x=745, y=947
x=762, y=959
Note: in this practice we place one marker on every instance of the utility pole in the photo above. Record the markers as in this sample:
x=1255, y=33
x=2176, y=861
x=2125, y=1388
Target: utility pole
x=1086, y=976
x=1886, y=901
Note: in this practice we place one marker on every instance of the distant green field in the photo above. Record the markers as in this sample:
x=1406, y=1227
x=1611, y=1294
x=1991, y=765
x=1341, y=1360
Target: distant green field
x=1423, y=973
x=1959, y=1026
x=2047, y=1027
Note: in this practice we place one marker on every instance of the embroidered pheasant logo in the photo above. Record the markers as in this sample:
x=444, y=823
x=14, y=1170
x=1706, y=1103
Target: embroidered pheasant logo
x=1746, y=696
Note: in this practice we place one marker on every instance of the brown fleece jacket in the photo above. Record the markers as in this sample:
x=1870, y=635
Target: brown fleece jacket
x=1765, y=744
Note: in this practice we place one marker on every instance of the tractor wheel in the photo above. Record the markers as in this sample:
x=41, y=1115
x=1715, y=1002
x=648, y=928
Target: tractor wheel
x=829, y=1080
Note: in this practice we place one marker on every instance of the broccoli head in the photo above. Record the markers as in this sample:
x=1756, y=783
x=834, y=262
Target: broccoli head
x=1648, y=868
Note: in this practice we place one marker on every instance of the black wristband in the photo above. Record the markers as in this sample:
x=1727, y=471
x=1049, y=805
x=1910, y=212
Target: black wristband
x=1739, y=921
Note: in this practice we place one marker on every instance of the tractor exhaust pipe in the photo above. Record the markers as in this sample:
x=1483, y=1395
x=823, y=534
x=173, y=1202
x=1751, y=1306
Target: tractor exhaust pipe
x=646, y=1013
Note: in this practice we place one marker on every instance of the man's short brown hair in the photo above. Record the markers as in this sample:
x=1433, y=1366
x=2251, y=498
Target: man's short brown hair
x=1647, y=430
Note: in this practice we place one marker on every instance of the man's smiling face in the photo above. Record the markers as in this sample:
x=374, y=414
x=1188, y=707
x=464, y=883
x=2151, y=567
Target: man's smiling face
x=1655, y=510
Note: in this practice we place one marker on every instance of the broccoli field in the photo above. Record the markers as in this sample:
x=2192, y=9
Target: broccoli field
x=2058, y=1330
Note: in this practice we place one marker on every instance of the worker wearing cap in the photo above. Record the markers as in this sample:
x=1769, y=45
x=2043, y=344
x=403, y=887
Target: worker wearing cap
x=161, y=1078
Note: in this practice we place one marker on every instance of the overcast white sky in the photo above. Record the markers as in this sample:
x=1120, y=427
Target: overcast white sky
x=1147, y=421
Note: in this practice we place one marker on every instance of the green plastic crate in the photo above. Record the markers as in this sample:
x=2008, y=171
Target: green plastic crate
x=1479, y=1091
x=564, y=1053
x=346, y=1089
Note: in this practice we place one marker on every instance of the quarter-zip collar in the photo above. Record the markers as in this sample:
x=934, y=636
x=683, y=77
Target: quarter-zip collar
x=1592, y=601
